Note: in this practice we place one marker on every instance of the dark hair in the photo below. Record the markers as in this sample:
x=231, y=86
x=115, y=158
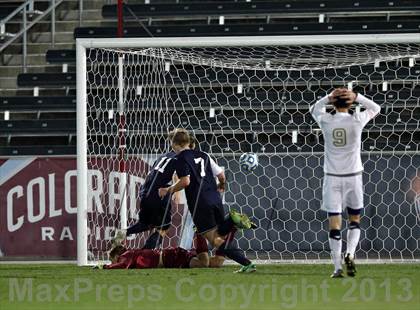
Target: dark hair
x=180, y=137
x=341, y=103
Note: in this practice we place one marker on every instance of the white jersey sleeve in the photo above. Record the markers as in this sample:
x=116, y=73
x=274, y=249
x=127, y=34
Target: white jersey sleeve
x=215, y=168
x=318, y=110
x=372, y=109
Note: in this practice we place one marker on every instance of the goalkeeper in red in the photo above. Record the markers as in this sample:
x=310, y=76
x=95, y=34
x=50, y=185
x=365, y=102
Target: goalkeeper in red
x=121, y=258
x=343, y=184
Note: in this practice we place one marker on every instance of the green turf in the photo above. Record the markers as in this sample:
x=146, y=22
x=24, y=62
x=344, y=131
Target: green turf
x=271, y=287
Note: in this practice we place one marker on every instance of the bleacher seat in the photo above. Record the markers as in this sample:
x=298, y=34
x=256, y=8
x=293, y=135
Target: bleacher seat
x=46, y=79
x=37, y=150
x=37, y=127
x=61, y=56
x=252, y=29
x=202, y=8
x=35, y=104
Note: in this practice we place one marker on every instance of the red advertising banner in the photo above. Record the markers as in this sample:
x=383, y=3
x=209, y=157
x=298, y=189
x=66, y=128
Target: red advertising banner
x=38, y=207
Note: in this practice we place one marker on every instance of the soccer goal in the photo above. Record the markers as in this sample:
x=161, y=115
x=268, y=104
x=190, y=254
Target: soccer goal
x=247, y=94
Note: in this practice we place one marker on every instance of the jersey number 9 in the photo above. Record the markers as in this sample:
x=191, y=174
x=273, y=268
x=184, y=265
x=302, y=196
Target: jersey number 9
x=339, y=137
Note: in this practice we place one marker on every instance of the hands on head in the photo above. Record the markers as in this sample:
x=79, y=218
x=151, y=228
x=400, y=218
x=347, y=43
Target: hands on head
x=348, y=95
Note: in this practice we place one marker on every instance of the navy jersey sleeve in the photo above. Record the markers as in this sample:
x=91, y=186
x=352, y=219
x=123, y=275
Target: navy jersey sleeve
x=181, y=167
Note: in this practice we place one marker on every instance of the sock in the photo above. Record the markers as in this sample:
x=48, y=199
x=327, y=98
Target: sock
x=200, y=244
x=353, y=236
x=153, y=241
x=335, y=248
x=225, y=227
x=137, y=228
x=231, y=251
x=229, y=239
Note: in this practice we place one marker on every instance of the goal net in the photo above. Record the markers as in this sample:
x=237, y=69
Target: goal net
x=248, y=95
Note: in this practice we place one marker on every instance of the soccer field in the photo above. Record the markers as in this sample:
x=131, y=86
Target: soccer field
x=386, y=286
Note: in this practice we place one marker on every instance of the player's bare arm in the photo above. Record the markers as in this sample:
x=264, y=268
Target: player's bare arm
x=182, y=183
x=221, y=186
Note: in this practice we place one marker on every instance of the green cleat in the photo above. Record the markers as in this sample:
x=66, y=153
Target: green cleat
x=241, y=221
x=350, y=266
x=247, y=269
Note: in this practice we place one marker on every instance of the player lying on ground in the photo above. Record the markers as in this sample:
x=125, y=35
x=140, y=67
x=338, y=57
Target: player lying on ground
x=155, y=213
x=204, y=202
x=122, y=258
x=343, y=185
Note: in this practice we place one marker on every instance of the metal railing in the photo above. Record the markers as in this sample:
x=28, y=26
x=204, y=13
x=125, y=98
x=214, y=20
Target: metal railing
x=25, y=9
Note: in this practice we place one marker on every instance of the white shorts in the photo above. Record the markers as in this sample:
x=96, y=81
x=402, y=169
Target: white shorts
x=339, y=193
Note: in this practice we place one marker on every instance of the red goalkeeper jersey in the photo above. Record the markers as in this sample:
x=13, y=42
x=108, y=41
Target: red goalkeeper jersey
x=177, y=257
x=141, y=259
x=136, y=259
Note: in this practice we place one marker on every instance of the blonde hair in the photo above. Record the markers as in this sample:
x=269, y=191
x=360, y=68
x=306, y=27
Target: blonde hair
x=193, y=142
x=116, y=252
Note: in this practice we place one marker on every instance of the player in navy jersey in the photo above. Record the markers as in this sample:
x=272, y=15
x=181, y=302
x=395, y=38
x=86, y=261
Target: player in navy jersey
x=204, y=202
x=155, y=213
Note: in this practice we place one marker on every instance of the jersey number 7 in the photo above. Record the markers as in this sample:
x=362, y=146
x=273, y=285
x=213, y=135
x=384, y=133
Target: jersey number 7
x=200, y=161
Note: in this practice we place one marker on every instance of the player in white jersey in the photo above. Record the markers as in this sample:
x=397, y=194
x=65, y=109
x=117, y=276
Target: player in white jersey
x=343, y=185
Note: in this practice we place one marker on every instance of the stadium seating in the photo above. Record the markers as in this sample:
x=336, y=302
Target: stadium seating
x=256, y=7
x=61, y=56
x=38, y=104
x=54, y=116
x=194, y=76
x=250, y=29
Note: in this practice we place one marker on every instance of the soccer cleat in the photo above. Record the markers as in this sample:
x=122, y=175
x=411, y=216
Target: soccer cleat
x=338, y=274
x=119, y=237
x=241, y=221
x=350, y=266
x=247, y=269
x=253, y=225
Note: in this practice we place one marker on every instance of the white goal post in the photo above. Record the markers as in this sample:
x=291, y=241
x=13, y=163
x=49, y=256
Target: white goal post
x=175, y=79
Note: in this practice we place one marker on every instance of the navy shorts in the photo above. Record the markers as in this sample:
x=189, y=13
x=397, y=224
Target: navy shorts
x=206, y=217
x=156, y=212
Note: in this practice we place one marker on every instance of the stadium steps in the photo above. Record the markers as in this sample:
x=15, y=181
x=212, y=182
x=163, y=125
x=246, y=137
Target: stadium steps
x=60, y=26
x=88, y=14
x=39, y=42
x=37, y=48
x=7, y=71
